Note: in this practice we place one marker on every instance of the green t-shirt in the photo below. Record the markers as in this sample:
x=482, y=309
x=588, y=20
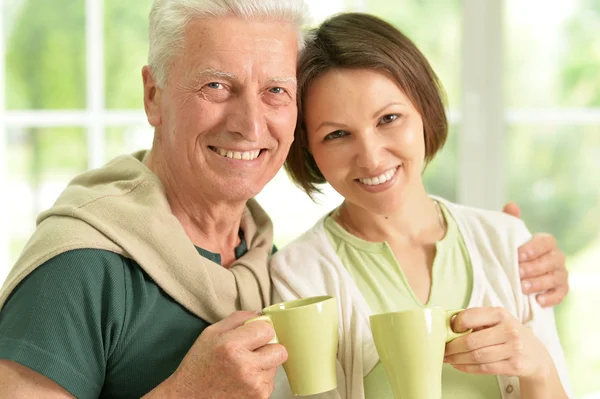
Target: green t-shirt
x=381, y=281
x=96, y=324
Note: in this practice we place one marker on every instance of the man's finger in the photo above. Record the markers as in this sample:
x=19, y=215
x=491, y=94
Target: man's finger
x=551, y=261
x=539, y=244
x=552, y=297
x=542, y=283
x=271, y=356
x=231, y=322
x=252, y=335
x=512, y=209
x=268, y=377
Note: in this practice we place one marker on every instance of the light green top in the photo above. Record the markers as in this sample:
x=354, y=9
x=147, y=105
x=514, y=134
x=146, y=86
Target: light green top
x=380, y=279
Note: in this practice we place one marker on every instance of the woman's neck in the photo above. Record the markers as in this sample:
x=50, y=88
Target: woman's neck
x=417, y=219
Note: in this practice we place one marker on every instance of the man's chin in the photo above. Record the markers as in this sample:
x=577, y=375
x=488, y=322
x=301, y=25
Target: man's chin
x=240, y=191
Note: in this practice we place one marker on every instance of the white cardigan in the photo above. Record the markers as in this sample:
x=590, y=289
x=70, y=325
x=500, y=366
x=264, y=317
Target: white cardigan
x=309, y=266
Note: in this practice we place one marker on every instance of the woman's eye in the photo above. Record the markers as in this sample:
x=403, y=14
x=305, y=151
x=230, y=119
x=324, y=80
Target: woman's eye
x=215, y=85
x=335, y=135
x=388, y=118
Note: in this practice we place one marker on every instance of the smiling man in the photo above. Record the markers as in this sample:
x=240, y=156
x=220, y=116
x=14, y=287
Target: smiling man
x=135, y=281
x=139, y=279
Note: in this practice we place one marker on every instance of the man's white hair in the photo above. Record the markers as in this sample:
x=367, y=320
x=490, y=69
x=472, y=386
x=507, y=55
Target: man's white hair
x=169, y=18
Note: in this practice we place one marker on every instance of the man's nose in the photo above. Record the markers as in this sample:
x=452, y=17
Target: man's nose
x=246, y=117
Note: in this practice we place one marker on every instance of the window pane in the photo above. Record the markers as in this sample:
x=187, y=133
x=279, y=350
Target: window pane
x=125, y=51
x=552, y=61
x=40, y=164
x=435, y=28
x=45, y=54
x=553, y=173
x=291, y=210
x=440, y=175
x=126, y=140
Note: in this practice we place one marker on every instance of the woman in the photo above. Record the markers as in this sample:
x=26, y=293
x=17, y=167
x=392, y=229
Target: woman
x=371, y=118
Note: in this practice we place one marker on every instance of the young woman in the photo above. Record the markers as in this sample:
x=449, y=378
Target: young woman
x=371, y=117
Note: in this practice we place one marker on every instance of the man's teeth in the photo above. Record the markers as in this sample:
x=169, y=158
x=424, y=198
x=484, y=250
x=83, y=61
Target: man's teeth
x=246, y=155
x=382, y=178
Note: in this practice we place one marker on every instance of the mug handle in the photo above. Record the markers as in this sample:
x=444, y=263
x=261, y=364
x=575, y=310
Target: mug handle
x=268, y=320
x=451, y=334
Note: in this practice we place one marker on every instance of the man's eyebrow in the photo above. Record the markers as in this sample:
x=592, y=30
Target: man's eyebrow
x=217, y=73
x=283, y=79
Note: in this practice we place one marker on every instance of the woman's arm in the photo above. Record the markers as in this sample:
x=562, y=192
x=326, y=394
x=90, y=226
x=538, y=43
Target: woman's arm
x=548, y=386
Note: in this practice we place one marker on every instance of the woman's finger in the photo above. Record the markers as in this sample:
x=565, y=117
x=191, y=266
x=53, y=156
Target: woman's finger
x=477, y=318
x=487, y=354
x=502, y=367
x=476, y=340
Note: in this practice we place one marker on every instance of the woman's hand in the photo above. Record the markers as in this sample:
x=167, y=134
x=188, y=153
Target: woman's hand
x=498, y=345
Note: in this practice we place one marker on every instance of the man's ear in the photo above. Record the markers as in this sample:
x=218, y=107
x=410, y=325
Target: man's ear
x=152, y=96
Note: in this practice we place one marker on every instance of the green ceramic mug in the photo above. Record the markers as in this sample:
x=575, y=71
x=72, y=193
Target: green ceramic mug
x=308, y=328
x=411, y=347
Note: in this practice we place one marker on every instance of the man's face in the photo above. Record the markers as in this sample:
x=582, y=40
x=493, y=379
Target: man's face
x=228, y=109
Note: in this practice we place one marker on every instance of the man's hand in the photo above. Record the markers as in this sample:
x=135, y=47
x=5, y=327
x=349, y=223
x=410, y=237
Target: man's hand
x=542, y=266
x=228, y=360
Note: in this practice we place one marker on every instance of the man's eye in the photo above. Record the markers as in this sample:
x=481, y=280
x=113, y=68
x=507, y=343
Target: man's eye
x=335, y=135
x=277, y=90
x=388, y=118
x=215, y=85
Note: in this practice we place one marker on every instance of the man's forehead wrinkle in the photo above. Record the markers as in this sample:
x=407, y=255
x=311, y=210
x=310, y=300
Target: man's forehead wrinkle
x=203, y=44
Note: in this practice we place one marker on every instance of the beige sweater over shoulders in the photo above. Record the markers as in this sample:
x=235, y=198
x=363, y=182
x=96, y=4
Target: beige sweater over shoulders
x=122, y=208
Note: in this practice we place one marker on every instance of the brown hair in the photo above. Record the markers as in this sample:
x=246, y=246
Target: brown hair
x=362, y=41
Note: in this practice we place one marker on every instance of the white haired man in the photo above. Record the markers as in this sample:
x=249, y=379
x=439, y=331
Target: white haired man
x=138, y=281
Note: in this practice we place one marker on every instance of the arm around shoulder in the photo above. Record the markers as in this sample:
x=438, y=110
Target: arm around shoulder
x=542, y=323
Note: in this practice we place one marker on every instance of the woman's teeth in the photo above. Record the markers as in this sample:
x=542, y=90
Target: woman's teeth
x=382, y=178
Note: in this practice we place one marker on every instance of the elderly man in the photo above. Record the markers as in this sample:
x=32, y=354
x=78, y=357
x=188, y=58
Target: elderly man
x=139, y=279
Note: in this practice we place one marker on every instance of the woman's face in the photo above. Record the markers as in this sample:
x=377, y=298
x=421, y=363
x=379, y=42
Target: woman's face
x=366, y=137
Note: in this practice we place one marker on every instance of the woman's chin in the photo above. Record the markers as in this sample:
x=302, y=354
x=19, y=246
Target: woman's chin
x=381, y=203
